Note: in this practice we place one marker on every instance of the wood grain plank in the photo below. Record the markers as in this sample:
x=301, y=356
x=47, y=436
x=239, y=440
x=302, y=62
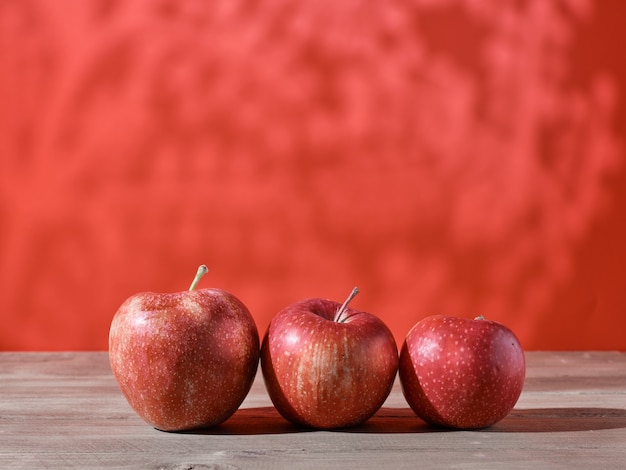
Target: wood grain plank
x=64, y=410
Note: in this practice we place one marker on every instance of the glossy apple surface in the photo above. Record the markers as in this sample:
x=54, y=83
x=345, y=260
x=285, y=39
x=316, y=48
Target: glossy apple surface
x=326, y=365
x=184, y=360
x=461, y=373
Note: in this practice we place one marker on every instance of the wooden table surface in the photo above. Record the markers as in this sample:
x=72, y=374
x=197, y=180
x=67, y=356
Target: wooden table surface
x=64, y=410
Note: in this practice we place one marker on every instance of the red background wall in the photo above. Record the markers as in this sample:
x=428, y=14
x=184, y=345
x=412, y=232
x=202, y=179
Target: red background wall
x=456, y=157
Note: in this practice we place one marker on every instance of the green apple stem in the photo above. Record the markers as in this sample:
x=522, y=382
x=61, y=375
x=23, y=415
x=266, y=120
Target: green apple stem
x=339, y=316
x=202, y=270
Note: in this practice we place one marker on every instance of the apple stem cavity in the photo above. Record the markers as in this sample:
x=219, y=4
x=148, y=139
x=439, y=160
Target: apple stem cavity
x=479, y=317
x=202, y=270
x=339, y=316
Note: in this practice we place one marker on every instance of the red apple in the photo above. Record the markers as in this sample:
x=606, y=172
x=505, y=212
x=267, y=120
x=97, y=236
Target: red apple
x=327, y=365
x=184, y=360
x=461, y=373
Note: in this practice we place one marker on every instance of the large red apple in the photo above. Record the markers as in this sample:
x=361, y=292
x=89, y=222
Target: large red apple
x=327, y=365
x=184, y=360
x=461, y=373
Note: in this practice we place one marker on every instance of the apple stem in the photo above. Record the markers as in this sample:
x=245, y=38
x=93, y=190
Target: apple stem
x=202, y=270
x=479, y=317
x=339, y=318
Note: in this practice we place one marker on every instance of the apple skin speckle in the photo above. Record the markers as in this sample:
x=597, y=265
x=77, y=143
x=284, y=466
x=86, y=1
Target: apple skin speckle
x=184, y=360
x=325, y=374
x=461, y=373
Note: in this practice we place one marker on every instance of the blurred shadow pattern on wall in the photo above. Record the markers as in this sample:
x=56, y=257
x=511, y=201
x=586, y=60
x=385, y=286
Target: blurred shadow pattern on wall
x=447, y=156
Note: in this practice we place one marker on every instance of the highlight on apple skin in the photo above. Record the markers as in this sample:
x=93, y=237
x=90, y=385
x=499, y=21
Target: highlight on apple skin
x=184, y=360
x=461, y=373
x=327, y=365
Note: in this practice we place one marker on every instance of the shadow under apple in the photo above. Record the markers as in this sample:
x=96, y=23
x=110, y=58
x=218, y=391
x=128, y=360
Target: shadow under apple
x=266, y=420
x=252, y=421
x=403, y=420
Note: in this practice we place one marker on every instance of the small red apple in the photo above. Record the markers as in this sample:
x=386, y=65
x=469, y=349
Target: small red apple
x=184, y=360
x=461, y=373
x=327, y=365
